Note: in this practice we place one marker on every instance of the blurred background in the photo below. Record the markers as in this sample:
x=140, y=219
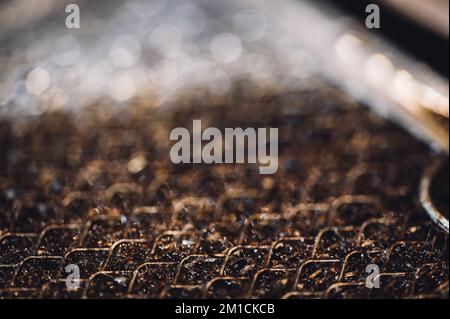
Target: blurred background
x=157, y=49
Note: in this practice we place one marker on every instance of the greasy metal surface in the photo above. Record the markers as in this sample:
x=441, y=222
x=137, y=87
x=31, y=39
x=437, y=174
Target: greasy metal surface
x=100, y=192
x=87, y=179
x=434, y=192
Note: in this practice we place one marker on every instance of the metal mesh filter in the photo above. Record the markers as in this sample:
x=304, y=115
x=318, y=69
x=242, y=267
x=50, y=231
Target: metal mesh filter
x=97, y=189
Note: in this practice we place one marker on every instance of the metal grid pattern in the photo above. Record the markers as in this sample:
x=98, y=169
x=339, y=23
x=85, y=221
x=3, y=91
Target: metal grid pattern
x=98, y=190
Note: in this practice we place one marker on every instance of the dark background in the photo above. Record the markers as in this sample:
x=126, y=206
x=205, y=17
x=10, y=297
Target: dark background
x=417, y=40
